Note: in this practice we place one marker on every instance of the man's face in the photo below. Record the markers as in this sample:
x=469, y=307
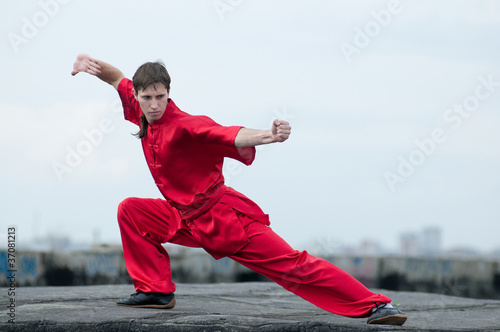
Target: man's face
x=153, y=101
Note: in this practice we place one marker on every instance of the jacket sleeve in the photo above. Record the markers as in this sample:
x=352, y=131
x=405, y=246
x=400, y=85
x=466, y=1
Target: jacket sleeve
x=131, y=108
x=219, y=139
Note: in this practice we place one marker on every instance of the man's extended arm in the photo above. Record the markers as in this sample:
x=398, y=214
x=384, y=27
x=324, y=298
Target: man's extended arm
x=101, y=69
x=279, y=132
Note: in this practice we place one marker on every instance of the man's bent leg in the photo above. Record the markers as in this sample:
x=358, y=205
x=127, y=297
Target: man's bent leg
x=144, y=225
x=314, y=279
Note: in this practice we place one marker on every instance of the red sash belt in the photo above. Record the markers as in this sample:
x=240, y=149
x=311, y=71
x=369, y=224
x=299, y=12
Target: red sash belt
x=189, y=214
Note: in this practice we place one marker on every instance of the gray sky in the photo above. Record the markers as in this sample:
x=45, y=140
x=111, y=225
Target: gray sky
x=394, y=108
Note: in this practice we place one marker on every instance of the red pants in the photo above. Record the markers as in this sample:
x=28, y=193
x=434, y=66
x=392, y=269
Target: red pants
x=147, y=223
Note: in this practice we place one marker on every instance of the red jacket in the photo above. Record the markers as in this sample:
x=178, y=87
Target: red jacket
x=185, y=154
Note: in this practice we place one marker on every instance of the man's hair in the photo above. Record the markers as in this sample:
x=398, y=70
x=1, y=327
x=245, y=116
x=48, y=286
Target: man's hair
x=151, y=73
x=148, y=74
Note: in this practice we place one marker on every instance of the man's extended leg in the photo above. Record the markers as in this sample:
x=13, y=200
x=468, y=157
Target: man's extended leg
x=314, y=279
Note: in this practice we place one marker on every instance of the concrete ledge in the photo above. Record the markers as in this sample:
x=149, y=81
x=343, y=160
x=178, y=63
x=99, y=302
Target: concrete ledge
x=262, y=306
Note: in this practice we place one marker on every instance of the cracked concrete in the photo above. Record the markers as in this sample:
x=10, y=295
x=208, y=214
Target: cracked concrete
x=253, y=306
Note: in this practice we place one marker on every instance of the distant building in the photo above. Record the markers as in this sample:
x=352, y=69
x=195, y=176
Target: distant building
x=431, y=242
x=409, y=244
x=428, y=242
x=463, y=252
x=369, y=248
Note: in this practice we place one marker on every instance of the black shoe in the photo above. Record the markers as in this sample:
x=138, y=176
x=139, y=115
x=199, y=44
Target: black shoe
x=149, y=300
x=387, y=316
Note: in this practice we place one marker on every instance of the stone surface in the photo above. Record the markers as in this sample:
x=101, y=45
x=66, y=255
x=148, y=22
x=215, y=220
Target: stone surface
x=261, y=306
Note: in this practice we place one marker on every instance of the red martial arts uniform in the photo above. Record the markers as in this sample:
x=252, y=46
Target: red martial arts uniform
x=185, y=154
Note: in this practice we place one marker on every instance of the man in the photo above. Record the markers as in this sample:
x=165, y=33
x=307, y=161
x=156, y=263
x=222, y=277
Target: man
x=185, y=155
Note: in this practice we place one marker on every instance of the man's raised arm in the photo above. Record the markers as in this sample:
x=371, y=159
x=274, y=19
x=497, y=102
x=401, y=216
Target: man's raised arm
x=280, y=130
x=104, y=71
